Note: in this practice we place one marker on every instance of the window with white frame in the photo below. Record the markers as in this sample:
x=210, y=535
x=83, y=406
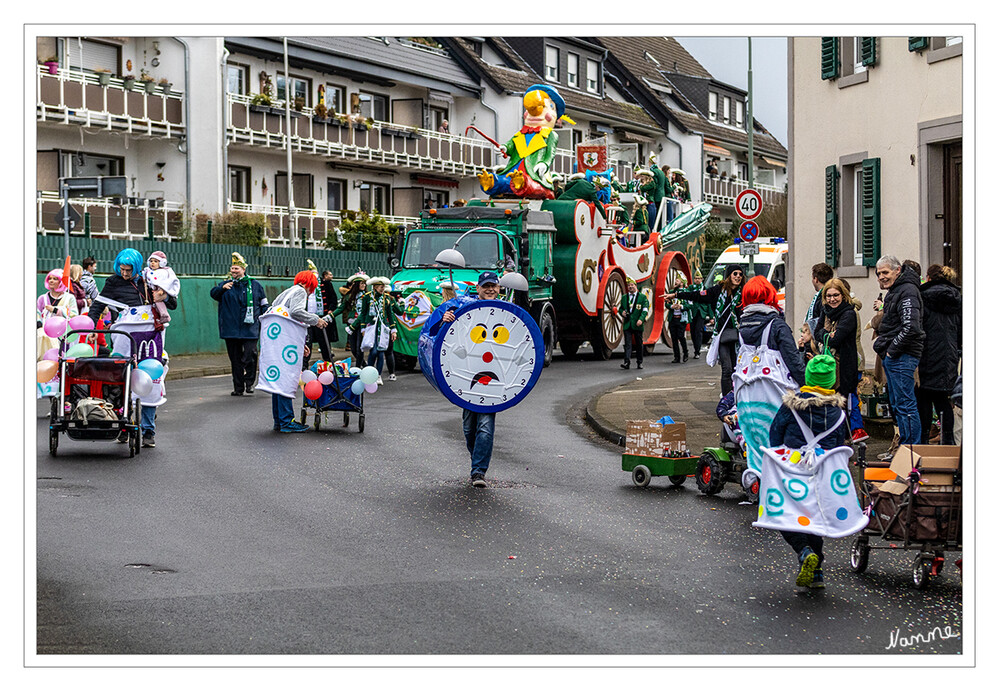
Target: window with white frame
x=712, y=105
x=374, y=106
x=593, y=76
x=551, y=63
x=334, y=98
x=739, y=113
x=572, y=70
x=336, y=194
x=300, y=88
x=236, y=79
x=90, y=56
x=374, y=197
x=239, y=184
x=726, y=108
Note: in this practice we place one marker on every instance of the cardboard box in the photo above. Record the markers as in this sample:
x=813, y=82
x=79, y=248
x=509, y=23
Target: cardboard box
x=649, y=438
x=927, y=458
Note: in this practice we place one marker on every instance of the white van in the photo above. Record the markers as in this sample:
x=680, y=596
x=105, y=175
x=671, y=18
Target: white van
x=771, y=262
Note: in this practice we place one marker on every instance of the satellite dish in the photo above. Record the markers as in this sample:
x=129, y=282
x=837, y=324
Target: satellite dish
x=452, y=258
x=513, y=281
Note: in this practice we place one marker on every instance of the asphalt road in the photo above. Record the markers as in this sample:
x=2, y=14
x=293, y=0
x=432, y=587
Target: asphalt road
x=229, y=538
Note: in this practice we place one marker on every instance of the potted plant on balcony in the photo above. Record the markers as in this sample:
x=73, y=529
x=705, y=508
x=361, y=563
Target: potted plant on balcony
x=52, y=62
x=320, y=114
x=129, y=81
x=103, y=76
x=147, y=81
x=165, y=85
x=260, y=103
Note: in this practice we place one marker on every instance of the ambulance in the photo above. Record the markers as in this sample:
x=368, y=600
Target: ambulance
x=771, y=262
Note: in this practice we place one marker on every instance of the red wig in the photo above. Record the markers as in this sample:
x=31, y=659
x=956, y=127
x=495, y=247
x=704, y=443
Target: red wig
x=307, y=280
x=759, y=290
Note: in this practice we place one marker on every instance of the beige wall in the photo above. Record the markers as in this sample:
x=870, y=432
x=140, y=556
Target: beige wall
x=879, y=118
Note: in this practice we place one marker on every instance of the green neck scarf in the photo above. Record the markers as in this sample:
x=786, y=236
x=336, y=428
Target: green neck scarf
x=248, y=317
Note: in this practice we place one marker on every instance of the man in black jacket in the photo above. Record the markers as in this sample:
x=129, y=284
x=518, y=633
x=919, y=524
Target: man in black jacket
x=900, y=342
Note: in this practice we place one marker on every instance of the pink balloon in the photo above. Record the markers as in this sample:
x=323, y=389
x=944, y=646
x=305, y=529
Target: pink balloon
x=326, y=378
x=371, y=388
x=51, y=354
x=313, y=390
x=81, y=323
x=54, y=327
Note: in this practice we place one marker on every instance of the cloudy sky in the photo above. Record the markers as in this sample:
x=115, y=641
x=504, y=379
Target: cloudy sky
x=726, y=58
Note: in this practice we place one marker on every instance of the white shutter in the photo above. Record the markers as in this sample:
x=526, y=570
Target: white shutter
x=87, y=55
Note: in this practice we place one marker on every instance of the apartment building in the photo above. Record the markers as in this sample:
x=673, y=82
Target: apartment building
x=875, y=132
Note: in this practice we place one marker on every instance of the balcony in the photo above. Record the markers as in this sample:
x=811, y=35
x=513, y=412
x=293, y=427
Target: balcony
x=130, y=219
x=382, y=143
x=78, y=98
x=723, y=192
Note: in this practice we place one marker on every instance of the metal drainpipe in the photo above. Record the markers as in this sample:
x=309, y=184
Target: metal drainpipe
x=493, y=111
x=188, y=211
x=225, y=130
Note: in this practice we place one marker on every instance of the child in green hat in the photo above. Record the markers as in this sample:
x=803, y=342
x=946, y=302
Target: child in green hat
x=819, y=407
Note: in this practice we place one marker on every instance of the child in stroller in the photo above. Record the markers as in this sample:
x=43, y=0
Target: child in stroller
x=731, y=434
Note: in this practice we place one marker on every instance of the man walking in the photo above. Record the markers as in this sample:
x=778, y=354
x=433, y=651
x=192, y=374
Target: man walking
x=241, y=302
x=634, y=310
x=900, y=342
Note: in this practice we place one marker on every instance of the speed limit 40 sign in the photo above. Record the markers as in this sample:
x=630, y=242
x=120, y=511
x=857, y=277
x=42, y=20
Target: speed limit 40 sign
x=749, y=204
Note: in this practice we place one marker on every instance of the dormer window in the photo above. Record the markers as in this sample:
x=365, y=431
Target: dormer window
x=572, y=70
x=551, y=63
x=712, y=105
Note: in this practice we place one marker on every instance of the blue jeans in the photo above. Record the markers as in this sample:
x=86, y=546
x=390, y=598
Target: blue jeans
x=900, y=372
x=651, y=208
x=148, y=421
x=282, y=410
x=479, y=429
x=856, y=421
x=376, y=356
x=669, y=210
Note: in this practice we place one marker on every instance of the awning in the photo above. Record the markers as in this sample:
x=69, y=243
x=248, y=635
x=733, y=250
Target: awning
x=635, y=138
x=779, y=164
x=716, y=149
x=440, y=97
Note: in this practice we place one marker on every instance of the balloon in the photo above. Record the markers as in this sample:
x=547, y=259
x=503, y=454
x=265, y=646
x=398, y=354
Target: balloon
x=46, y=370
x=326, y=378
x=142, y=383
x=371, y=388
x=81, y=323
x=369, y=375
x=51, y=354
x=78, y=350
x=354, y=371
x=307, y=376
x=357, y=387
x=54, y=327
x=154, y=368
x=313, y=390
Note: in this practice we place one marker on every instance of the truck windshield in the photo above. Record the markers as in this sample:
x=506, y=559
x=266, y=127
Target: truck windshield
x=759, y=269
x=480, y=249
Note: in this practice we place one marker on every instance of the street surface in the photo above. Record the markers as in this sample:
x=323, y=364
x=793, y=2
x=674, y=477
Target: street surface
x=228, y=538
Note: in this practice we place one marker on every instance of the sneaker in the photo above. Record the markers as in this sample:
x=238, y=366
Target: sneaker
x=249, y=390
x=379, y=382
x=391, y=377
x=236, y=393
x=478, y=480
x=639, y=366
x=817, y=581
x=697, y=356
x=148, y=440
x=676, y=360
x=809, y=562
x=684, y=357
x=295, y=427
x=860, y=435
x=625, y=365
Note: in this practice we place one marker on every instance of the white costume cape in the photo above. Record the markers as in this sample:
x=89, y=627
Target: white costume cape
x=282, y=341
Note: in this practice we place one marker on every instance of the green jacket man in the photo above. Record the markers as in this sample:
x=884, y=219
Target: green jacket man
x=634, y=308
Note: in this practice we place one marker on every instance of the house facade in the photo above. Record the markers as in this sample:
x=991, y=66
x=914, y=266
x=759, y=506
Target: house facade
x=875, y=131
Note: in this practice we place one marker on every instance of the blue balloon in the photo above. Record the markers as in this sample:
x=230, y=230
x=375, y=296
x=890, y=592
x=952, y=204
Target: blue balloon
x=154, y=368
x=357, y=387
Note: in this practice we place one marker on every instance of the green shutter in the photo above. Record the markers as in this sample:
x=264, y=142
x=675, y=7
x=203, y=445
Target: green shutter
x=832, y=216
x=870, y=209
x=868, y=50
x=830, y=57
x=918, y=43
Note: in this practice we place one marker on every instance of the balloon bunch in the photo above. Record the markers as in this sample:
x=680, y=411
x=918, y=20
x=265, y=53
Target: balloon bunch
x=312, y=384
x=144, y=374
x=56, y=327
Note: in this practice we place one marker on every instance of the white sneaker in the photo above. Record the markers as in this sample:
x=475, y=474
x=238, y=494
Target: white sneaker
x=391, y=377
x=379, y=382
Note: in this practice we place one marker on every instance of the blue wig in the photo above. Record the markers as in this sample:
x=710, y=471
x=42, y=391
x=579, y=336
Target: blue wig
x=129, y=257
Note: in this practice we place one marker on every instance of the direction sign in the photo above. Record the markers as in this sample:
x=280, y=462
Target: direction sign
x=749, y=248
x=749, y=231
x=749, y=204
x=74, y=216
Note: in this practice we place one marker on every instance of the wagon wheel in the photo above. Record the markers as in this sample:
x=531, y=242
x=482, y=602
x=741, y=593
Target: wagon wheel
x=675, y=265
x=611, y=323
x=304, y=415
x=346, y=418
x=641, y=476
x=53, y=442
x=677, y=480
x=133, y=445
x=360, y=423
x=753, y=491
x=921, y=572
x=317, y=418
x=859, y=553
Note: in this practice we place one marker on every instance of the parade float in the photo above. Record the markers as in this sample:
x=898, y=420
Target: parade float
x=575, y=253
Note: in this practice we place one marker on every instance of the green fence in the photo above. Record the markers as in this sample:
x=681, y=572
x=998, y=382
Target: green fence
x=194, y=324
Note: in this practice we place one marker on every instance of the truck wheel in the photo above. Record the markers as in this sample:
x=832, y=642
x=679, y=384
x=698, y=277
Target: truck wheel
x=710, y=474
x=569, y=348
x=547, y=325
x=611, y=323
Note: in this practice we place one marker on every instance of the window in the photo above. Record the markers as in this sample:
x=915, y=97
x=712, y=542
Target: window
x=712, y=105
x=90, y=56
x=551, y=63
x=593, y=76
x=726, y=108
x=239, y=184
x=739, y=116
x=336, y=194
x=236, y=79
x=434, y=199
x=303, y=190
x=847, y=59
x=374, y=197
x=334, y=98
x=374, y=106
x=859, y=238
x=832, y=217
x=437, y=118
x=943, y=47
x=572, y=70
x=300, y=88
x=80, y=164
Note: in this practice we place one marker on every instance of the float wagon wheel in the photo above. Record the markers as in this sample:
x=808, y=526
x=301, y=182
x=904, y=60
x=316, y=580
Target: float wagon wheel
x=611, y=324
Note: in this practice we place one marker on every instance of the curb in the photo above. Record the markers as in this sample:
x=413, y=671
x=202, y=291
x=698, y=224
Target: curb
x=193, y=372
x=600, y=426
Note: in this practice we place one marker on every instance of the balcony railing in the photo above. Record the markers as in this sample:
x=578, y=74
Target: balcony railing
x=723, y=192
x=74, y=97
x=318, y=223
x=380, y=143
x=104, y=218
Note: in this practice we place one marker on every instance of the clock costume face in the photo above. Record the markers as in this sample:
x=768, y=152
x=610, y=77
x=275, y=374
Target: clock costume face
x=489, y=357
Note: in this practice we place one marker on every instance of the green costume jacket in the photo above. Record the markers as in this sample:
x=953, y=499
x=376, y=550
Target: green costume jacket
x=379, y=312
x=540, y=149
x=697, y=309
x=659, y=179
x=640, y=220
x=585, y=190
x=632, y=308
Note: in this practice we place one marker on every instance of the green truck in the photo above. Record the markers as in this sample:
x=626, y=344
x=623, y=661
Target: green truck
x=574, y=260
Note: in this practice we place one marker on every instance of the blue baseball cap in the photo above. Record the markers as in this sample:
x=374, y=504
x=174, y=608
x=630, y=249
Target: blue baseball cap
x=488, y=277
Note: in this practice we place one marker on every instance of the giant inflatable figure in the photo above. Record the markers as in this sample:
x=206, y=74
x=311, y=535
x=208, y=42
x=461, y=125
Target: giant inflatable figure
x=531, y=150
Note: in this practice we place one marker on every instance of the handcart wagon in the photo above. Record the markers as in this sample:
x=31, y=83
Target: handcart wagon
x=105, y=380
x=913, y=503
x=644, y=468
x=336, y=396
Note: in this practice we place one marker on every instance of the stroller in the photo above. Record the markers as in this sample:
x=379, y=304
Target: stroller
x=94, y=401
x=336, y=396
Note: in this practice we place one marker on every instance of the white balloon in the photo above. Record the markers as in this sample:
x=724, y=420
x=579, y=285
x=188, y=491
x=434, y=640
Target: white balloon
x=142, y=383
x=354, y=371
x=307, y=376
x=369, y=375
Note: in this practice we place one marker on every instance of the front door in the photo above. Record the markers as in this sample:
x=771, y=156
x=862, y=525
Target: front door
x=952, y=187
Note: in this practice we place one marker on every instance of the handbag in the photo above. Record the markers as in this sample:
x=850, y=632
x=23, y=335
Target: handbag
x=712, y=357
x=368, y=337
